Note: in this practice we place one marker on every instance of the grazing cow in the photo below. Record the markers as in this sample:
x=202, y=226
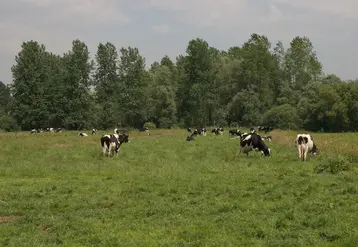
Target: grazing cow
x=189, y=130
x=112, y=143
x=268, y=138
x=82, y=134
x=146, y=129
x=218, y=131
x=266, y=129
x=304, y=144
x=234, y=132
x=253, y=141
x=94, y=131
x=190, y=138
x=50, y=130
x=58, y=130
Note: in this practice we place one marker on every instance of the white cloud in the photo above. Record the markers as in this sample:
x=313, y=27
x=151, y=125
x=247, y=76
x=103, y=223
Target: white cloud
x=162, y=29
x=344, y=8
x=94, y=11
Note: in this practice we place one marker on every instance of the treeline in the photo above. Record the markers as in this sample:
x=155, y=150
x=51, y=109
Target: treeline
x=255, y=84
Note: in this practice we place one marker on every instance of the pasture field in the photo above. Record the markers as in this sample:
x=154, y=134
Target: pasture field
x=57, y=189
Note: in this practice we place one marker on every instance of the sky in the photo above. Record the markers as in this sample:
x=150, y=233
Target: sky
x=164, y=27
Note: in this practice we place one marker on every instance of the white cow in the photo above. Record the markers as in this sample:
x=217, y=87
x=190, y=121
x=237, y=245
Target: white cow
x=305, y=145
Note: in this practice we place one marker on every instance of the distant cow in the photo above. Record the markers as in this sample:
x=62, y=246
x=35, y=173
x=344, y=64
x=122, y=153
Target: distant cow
x=36, y=131
x=266, y=129
x=146, y=129
x=200, y=131
x=218, y=131
x=82, y=134
x=190, y=138
x=305, y=145
x=253, y=141
x=268, y=138
x=94, y=131
x=189, y=130
x=112, y=143
x=58, y=130
x=234, y=132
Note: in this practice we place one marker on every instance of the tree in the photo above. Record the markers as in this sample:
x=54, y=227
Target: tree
x=162, y=98
x=30, y=74
x=77, y=84
x=106, y=81
x=282, y=116
x=132, y=86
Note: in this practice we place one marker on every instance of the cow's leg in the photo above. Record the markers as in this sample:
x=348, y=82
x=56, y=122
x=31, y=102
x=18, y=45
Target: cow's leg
x=104, y=150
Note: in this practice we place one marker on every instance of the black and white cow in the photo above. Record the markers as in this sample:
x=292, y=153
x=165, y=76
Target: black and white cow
x=94, y=131
x=36, y=131
x=268, y=138
x=305, y=145
x=146, y=129
x=82, y=134
x=266, y=128
x=189, y=130
x=253, y=141
x=58, y=130
x=112, y=143
x=200, y=131
x=234, y=132
x=218, y=131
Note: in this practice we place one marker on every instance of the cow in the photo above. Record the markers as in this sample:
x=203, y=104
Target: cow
x=146, y=129
x=218, y=131
x=50, y=130
x=58, y=130
x=112, y=143
x=268, y=138
x=305, y=145
x=190, y=138
x=189, y=130
x=94, y=131
x=266, y=129
x=36, y=131
x=82, y=134
x=253, y=141
x=200, y=131
x=234, y=132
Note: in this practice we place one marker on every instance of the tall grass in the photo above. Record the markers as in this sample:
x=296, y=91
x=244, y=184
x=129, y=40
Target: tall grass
x=58, y=189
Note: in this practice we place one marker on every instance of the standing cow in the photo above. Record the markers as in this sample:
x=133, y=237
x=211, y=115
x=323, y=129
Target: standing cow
x=305, y=145
x=112, y=143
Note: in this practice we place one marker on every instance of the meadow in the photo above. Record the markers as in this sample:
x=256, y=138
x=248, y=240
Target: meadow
x=58, y=189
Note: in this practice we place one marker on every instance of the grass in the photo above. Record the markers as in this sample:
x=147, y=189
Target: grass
x=57, y=189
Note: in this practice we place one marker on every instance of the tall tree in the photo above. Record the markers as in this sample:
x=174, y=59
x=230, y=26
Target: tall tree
x=106, y=82
x=29, y=86
x=301, y=63
x=132, y=87
x=77, y=86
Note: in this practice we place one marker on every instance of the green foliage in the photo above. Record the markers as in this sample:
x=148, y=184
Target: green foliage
x=247, y=85
x=149, y=125
x=282, y=116
x=333, y=164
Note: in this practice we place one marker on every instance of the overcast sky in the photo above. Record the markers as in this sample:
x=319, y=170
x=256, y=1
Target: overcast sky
x=164, y=27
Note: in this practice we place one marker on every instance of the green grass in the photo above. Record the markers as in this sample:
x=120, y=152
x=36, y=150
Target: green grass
x=57, y=189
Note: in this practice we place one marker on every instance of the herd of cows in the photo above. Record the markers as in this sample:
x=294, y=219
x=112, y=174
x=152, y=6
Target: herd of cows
x=111, y=143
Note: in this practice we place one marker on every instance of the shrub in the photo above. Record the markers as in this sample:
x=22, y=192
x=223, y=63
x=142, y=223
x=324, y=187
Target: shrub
x=333, y=164
x=149, y=125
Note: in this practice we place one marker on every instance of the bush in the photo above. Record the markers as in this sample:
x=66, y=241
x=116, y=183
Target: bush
x=282, y=116
x=8, y=124
x=149, y=125
x=334, y=165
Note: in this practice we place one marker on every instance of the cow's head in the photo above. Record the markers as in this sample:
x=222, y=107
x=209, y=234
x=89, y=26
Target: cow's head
x=266, y=152
x=123, y=138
